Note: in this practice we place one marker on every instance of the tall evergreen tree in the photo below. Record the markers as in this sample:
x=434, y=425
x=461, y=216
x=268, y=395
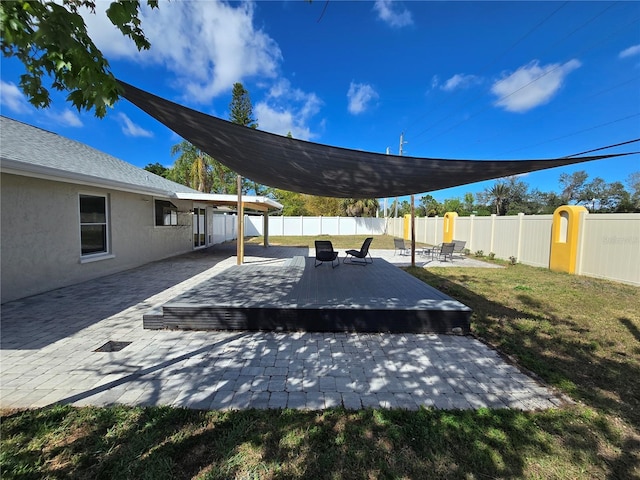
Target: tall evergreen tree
x=241, y=113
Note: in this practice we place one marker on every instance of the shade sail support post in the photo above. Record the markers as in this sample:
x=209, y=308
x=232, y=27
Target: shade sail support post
x=240, y=242
x=413, y=211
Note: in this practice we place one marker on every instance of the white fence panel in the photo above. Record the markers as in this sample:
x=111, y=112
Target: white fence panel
x=535, y=244
x=253, y=225
x=395, y=227
x=311, y=226
x=505, y=237
x=611, y=247
x=347, y=227
x=292, y=226
x=369, y=225
x=330, y=225
x=482, y=235
x=224, y=227
x=463, y=230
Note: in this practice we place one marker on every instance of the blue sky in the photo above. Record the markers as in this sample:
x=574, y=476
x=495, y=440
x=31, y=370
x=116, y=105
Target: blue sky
x=462, y=80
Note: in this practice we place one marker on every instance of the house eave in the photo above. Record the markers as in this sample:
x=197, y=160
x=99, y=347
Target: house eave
x=262, y=204
x=53, y=174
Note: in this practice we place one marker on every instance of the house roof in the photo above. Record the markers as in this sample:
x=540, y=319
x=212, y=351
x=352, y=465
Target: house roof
x=32, y=151
x=324, y=170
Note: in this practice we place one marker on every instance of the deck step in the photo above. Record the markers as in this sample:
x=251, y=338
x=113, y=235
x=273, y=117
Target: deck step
x=298, y=297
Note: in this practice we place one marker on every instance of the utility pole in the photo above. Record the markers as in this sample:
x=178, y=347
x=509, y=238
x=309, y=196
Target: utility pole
x=395, y=215
x=413, y=213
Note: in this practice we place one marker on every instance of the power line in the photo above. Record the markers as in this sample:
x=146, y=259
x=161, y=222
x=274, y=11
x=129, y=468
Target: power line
x=582, y=52
x=605, y=148
x=574, y=133
x=569, y=105
x=491, y=63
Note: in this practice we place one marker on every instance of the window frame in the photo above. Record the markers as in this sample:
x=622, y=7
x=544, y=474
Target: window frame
x=103, y=254
x=168, y=208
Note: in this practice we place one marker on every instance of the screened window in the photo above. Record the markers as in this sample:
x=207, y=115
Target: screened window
x=93, y=224
x=166, y=213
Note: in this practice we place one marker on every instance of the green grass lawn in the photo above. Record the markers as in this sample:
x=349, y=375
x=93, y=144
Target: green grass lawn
x=578, y=334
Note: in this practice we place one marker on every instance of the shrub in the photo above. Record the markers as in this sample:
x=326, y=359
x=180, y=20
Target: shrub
x=492, y=255
x=479, y=253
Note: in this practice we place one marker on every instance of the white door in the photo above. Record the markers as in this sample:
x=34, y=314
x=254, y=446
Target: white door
x=199, y=227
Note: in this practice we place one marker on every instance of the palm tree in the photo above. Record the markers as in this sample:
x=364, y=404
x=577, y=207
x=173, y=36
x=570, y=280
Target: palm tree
x=193, y=167
x=360, y=207
x=499, y=193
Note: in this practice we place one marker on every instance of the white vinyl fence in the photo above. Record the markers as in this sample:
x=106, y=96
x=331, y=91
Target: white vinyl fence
x=224, y=227
x=315, y=226
x=609, y=245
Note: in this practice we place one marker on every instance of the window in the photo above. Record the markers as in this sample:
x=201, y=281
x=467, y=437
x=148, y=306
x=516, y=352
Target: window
x=94, y=225
x=166, y=213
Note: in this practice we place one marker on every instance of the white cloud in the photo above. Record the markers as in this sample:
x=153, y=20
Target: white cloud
x=130, y=129
x=531, y=85
x=459, y=81
x=281, y=122
x=287, y=109
x=360, y=96
x=67, y=118
x=12, y=97
x=392, y=13
x=207, y=45
x=630, y=52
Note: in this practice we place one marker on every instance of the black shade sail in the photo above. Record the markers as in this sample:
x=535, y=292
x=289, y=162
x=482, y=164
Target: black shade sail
x=316, y=169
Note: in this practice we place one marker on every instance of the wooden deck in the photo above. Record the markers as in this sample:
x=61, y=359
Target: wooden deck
x=295, y=296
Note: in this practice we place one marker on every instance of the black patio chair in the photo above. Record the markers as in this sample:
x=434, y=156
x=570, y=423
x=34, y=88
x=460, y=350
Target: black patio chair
x=360, y=254
x=446, y=250
x=325, y=253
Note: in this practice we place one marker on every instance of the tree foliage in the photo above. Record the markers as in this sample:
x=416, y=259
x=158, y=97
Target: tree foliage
x=158, y=169
x=572, y=185
x=312, y=205
x=50, y=39
x=360, y=207
x=241, y=113
x=195, y=169
x=511, y=195
x=326, y=206
x=240, y=107
x=428, y=207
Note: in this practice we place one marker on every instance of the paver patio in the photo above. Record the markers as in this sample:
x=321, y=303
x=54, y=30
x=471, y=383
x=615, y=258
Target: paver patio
x=48, y=343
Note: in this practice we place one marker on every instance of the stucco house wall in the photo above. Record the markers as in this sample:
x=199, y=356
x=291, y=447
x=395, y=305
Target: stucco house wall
x=44, y=177
x=40, y=234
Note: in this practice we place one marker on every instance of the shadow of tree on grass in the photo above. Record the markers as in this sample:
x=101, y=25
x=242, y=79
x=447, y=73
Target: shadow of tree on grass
x=164, y=442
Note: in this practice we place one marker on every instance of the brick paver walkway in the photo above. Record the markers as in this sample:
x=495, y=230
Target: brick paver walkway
x=48, y=355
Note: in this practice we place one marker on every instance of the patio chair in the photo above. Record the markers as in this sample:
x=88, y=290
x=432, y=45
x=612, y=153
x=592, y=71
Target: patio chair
x=445, y=250
x=325, y=253
x=400, y=246
x=459, y=247
x=360, y=254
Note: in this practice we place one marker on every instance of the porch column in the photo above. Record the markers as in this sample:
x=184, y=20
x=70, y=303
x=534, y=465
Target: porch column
x=265, y=228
